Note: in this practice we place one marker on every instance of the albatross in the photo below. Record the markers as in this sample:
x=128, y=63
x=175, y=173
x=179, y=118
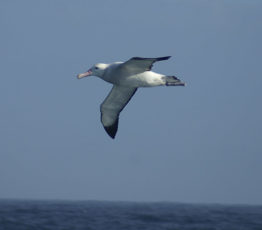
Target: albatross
x=126, y=77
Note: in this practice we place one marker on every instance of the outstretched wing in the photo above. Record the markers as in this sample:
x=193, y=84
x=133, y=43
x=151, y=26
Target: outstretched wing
x=111, y=107
x=137, y=65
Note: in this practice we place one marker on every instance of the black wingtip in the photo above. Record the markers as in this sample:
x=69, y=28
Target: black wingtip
x=111, y=130
x=156, y=59
x=163, y=58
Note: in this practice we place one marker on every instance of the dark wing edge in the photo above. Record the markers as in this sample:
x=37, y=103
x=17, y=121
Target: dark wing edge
x=155, y=59
x=112, y=128
x=159, y=59
x=141, y=64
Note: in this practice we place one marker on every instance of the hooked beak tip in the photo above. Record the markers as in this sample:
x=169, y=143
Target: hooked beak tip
x=81, y=75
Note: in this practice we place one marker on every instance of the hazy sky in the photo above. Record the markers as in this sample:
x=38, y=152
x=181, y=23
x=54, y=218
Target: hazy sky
x=200, y=143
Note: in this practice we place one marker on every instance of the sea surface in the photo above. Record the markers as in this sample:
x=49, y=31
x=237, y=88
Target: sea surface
x=101, y=215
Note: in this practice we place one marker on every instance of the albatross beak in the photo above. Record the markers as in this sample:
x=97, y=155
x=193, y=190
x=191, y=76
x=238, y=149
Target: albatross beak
x=81, y=75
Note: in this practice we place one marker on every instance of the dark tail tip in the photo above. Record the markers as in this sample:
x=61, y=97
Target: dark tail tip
x=173, y=81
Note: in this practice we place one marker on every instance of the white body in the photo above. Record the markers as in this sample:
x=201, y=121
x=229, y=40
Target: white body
x=144, y=79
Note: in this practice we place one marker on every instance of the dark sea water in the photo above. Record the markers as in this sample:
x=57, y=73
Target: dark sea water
x=98, y=215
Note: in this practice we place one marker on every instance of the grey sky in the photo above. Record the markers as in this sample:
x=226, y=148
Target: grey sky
x=201, y=143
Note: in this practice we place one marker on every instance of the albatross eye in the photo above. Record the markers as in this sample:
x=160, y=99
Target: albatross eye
x=96, y=67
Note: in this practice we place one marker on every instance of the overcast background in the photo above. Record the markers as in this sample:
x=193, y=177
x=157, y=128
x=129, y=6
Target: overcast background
x=200, y=143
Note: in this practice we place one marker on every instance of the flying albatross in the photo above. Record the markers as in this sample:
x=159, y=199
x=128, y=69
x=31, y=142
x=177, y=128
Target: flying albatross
x=126, y=77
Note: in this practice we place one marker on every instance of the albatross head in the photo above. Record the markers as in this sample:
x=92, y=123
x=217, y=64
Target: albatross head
x=96, y=70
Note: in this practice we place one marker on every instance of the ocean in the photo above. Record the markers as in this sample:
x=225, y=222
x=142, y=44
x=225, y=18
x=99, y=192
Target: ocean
x=103, y=215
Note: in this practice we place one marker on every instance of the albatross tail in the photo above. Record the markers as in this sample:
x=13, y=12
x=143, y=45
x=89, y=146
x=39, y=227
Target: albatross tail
x=174, y=81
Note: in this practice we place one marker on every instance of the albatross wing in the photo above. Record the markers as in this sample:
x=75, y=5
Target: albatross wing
x=114, y=103
x=137, y=65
